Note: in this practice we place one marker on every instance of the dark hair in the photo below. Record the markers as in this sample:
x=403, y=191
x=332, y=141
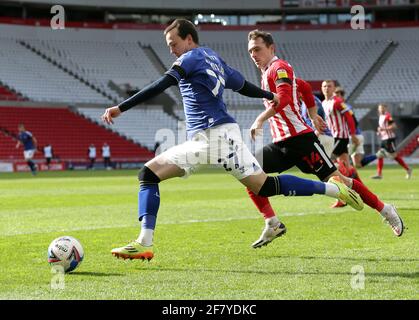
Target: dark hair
x=330, y=81
x=184, y=27
x=340, y=91
x=265, y=36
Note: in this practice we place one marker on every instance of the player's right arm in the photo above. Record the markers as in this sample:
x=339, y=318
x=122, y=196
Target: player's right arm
x=143, y=95
x=281, y=78
x=180, y=69
x=258, y=123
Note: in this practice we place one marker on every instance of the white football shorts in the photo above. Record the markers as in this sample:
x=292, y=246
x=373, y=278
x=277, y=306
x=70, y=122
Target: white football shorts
x=221, y=146
x=359, y=149
x=28, y=154
x=328, y=143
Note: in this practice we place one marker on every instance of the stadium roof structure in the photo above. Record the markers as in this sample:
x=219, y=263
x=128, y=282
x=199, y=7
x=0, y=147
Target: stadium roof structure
x=222, y=6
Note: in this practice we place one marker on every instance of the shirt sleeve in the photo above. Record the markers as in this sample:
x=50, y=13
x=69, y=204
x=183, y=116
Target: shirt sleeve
x=304, y=88
x=340, y=106
x=283, y=74
x=351, y=123
x=282, y=77
x=183, y=66
x=389, y=118
x=234, y=80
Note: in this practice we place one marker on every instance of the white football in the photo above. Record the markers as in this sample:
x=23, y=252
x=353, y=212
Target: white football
x=66, y=252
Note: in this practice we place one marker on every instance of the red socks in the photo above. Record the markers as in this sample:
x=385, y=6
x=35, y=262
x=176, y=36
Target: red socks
x=380, y=164
x=367, y=196
x=263, y=204
x=401, y=162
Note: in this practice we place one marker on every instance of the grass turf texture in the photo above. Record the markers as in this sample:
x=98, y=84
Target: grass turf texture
x=202, y=244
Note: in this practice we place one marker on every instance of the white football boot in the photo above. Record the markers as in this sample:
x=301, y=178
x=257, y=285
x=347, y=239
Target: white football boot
x=269, y=234
x=391, y=216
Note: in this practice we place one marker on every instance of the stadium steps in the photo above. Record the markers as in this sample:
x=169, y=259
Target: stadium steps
x=409, y=145
x=8, y=94
x=101, y=124
x=381, y=60
x=68, y=133
x=77, y=75
x=168, y=103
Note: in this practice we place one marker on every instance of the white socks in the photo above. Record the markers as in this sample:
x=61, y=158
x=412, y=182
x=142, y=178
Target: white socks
x=271, y=222
x=386, y=209
x=332, y=190
x=146, y=237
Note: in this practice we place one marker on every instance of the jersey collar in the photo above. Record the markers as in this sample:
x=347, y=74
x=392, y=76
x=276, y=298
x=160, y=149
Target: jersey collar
x=270, y=63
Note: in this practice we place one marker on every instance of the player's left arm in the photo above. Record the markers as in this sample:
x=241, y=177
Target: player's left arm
x=35, y=143
x=391, y=123
x=304, y=88
x=236, y=82
x=347, y=113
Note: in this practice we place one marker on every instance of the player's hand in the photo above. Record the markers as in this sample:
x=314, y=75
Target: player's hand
x=110, y=113
x=355, y=140
x=274, y=102
x=256, y=129
x=319, y=124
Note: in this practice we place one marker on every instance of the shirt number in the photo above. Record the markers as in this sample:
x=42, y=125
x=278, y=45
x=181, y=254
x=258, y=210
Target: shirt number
x=219, y=81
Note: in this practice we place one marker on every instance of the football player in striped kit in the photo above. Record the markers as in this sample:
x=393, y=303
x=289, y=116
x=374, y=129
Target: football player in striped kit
x=214, y=137
x=294, y=142
x=386, y=131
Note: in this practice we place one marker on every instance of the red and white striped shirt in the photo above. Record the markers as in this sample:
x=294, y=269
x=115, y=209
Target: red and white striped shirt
x=287, y=122
x=335, y=110
x=384, y=123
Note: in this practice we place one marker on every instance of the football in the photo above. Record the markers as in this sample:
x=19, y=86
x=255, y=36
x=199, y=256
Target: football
x=66, y=252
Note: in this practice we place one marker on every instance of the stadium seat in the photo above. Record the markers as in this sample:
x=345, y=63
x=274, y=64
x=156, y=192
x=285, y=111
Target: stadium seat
x=66, y=131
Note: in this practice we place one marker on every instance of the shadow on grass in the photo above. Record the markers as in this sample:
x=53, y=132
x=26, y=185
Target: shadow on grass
x=94, y=274
x=412, y=275
x=346, y=259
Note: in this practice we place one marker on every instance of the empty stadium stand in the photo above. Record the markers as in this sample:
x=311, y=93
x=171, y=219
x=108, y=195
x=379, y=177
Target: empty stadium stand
x=8, y=151
x=68, y=133
x=397, y=79
x=80, y=67
x=342, y=60
x=81, y=63
x=140, y=124
x=410, y=147
x=6, y=94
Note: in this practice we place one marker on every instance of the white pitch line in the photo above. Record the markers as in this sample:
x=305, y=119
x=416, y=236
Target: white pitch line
x=283, y=214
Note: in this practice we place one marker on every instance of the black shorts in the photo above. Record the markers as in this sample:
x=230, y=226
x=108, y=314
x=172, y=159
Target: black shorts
x=304, y=151
x=389, y=145
x=341, y=146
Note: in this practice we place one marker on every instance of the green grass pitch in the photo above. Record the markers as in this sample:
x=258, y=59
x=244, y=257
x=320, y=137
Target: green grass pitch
x=202, y=243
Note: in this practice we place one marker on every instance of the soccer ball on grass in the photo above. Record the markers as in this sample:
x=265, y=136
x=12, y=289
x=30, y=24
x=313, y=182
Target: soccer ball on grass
x=65, y=252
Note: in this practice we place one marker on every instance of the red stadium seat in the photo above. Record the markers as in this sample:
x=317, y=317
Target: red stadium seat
x=68, y=133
